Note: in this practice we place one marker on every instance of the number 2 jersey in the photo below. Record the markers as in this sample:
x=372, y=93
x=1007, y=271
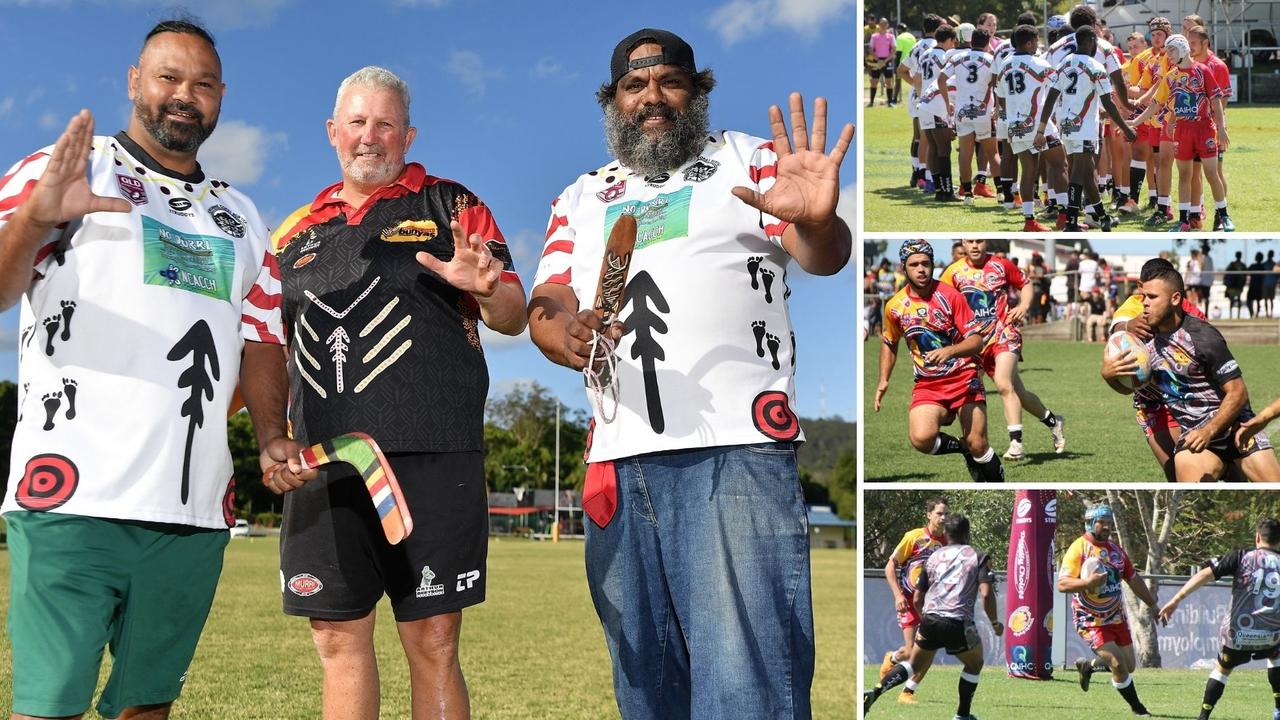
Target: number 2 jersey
x=1254, y=620
x=1104, y=605
x=1081, y=83
x=941, y=319
x=951, y=578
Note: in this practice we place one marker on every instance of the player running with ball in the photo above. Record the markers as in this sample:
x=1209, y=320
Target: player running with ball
x=943, y=339
x=1251, y=630
x=1098, y=605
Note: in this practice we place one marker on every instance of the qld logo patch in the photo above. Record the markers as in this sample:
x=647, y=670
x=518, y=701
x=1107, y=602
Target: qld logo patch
x=305, y=585
x=132, y=189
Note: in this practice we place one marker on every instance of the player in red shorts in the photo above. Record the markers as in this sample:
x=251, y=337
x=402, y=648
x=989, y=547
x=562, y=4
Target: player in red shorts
x=1097, y=603
x=1193, y=97
x=987, y=282
x=903, y=573
x=943, y=340
x=1202, y=52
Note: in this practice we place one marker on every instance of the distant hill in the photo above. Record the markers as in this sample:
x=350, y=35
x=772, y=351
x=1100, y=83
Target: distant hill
x=825, y=441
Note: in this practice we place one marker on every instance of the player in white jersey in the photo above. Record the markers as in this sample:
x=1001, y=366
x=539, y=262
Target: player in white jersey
x=969, y=70
x=1008, y=159
x=147, y=291
x=1021, y=88
x=1251, y=628
x=954, y=577
x=935, y=119
x=1082, y=84
x=719, y=217
x=909, y=70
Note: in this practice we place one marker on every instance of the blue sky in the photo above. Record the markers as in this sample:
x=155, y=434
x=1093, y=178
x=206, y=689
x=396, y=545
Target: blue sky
x=502, y=98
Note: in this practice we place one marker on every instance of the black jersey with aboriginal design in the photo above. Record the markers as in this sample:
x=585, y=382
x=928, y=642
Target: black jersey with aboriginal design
x=379, y=344
x=1189, y=366
x=1254, y=620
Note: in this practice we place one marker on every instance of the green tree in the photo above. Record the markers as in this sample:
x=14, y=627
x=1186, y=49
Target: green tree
x=520, y=440
x=252, y=497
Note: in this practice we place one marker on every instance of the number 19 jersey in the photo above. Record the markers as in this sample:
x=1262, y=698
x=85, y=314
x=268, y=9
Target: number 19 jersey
x=1254, y=620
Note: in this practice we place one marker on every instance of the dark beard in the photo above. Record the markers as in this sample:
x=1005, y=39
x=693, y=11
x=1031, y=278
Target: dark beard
x=646, y=154
x=172, y=136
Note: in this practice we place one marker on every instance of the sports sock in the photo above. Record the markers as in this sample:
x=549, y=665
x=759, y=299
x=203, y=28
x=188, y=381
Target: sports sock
x=1075, y=198
x=1165, y=204
x=1099, y=666
x=944, y=444
x=1212, y=692
x=1128, y=691
x=915, y=151
x=873, y=94
x=1029, y=208
x=1015, y=433
x=989, y=468
x=967, y=687
x=1049, y=418
x=1137, y=173
x=1183, y=210
x=1097, y=210
x=1220, y=205
x=981, y=179
x=910, y=686
x=967, y=187
x=900, y=673
x=1273, y=677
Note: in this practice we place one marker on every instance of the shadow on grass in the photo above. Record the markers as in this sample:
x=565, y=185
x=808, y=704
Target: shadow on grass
x=1041, y=458
x=902, y=478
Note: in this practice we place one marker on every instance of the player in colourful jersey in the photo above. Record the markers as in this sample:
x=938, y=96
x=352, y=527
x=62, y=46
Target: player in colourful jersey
x=1021, y=85
x=969, y=70
x=1202, y=52
x=943, y=339
x=1145, y=65
x=1097, y=603
x=903, y=573
x=1082, y=84
x=953, y=578
x=1199, y=381
x=1251, y=627
x=1161, y=429
x=987, y=283
x=1193, y=98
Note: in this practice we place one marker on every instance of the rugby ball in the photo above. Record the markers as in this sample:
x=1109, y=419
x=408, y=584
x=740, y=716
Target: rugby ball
x=1090, y=567
x=1119, y=344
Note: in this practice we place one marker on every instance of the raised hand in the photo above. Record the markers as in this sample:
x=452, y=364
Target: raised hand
x=807, y=184
x=62, y=193
x=473, y=268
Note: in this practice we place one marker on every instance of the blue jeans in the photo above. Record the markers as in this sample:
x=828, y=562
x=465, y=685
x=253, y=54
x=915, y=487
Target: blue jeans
x=702, y=584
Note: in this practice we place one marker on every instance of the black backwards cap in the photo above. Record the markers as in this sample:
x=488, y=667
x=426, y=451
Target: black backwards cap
x=675, y=51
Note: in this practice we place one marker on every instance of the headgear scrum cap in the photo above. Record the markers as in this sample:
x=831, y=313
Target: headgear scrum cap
x=675, y=51
x=1096, y=513
x=915, y=247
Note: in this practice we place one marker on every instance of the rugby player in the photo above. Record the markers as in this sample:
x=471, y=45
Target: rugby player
x=1200, y=382
x=1080, y=79
x=1008, y=158
x=943, y=340
x=1193, y=99
x=1257, y=423
x=909, y=70
x=1202, y=52
x=1251, y=629
x=969, y=70
x=935, y=118
x=954, y=577
x=987, y=282
x=1021, y=86
x=1098, y=606
x=1144, y=69
x=903, y=574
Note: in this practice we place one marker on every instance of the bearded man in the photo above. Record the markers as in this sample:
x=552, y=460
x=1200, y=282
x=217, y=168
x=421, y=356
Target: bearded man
x=698, y=552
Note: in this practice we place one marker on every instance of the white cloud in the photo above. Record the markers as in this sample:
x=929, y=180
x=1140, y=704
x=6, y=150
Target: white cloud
x=492, y=341
x=847, y=208
x=222, y=15
x=739, y=20
x=237, y=152
x=470, y=69
x=548, y=68
x=420, y=3
x=49, y=121
x=6, y=106
x=36, y=93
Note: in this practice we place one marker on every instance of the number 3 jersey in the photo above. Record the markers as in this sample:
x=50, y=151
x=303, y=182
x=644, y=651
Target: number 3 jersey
x=1254, y=620
x=130, y=342
x=708, y=357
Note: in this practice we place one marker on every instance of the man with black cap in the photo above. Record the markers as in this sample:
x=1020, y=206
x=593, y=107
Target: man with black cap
x=697, y=551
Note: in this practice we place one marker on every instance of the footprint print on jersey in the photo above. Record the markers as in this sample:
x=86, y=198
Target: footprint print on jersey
x=757, y=328
x=52, y=401
x=766, y=276
x=69, y=388
x=22, y=404
x=793, y=349
x=51, y=324
x=68, y=309
x=753, y=266
x=774, y=342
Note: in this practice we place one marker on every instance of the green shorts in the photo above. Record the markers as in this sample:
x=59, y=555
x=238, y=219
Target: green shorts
x=79, y=584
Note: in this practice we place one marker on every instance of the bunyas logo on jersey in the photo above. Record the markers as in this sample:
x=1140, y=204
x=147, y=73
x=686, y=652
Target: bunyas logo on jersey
x=201, y=264
x=305, y=585
x=410, y=231
x=227, y=221
x=132, y=189
x=303, y=261
x=663, y=218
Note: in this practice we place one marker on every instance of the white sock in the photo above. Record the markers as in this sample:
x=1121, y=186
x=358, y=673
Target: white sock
x=971, y=678
x=911, y=686
x=986, y=457
x=1029, y=208
x=1220, y=204
x=1215, y=675
x=1184, y=206
x=1128, y=680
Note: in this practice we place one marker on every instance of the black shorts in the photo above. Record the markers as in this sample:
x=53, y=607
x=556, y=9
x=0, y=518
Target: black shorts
x=1224, y=445
x=952, y=634
x=336, y=563
x=1229, y=657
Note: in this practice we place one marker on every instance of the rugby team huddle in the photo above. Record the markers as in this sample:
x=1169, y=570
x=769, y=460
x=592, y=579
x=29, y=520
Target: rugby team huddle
x=1020, y=109
x=1194, y=410
x=936, y=577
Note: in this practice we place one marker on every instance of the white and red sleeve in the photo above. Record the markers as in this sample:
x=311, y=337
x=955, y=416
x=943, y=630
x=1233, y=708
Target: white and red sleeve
x=260, y=316
x=478, y=220
x=15, y=187
x=556, y=263
x=764, y=173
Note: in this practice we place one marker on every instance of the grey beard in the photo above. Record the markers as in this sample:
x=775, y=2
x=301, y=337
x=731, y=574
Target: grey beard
x=650, y=155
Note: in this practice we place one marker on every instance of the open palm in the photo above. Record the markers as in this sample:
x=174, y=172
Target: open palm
x=63, y=192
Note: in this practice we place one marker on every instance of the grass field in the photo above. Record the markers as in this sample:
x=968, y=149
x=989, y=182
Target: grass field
x=890, y=206
x=533, y=650
x=1166, y=693
x=1103, y=441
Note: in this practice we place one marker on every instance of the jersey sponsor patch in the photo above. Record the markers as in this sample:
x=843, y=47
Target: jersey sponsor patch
x=1230, y=367
x=663, y=218
x=227, y=221
x=410, y=231
x=201, y=264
